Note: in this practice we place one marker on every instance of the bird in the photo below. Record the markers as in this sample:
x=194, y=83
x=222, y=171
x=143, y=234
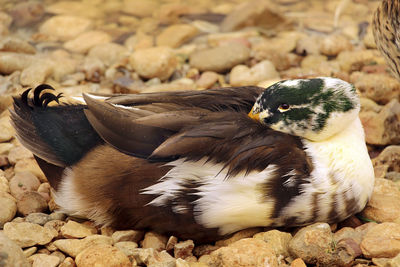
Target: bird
x=386, y=31
x=202, y=165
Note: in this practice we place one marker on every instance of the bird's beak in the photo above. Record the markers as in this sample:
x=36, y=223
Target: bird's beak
x=253, y=115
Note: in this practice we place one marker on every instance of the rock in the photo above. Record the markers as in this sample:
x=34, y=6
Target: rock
x=237, y=236
x=11, y=254
x=348, y=233
x=4, y=186
x=172, y=241
x=313, y=62
x=68, y=262
x=31, y=202
x=27, y=234
x=127, y=247
x=81, y=9
x=8, y=208
x=39, y=260
x=245, y=252
x=5, y=148
x=155, y=241
x=176, y=35
x=154, y=62
x=382, y=241
x=241, y=75
x=102, y=255
x=108, y=53
x=369, y=40
x=77, y=230
x=85, y=41
x=382, y=128
x=252, y=13
x=315, y=245
x=57, y=216
x=219, y=59
x=388, y=159
x=298, y=263
x=18, y=153
x=355, y=60
x=383, y=205
x=30, y=165
x=36, y=73
x=27, y=13
x=379, y=87
x=10, y=62
x=55, y=225
x=5, y=19
x=44, y=190
x=64, y=27
x=332, y=45
x=279, y=241
x=38, y=218
x=204, y=250
x=139, y=8
x=140, y=40
x=58, y=254
x=127, y=235
x=30, y=251
x=207, y=79
x=183, y=249
x=7, y=131
x=12, y=44
x=308, y=45
x=150, y=257
x=74, y=246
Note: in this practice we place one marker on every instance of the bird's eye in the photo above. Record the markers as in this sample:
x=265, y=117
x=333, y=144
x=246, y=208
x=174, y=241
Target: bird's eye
x=283, y=107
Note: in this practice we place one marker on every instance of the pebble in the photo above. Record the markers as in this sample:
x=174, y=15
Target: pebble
x=68, y=262
x=332, y=45
x=127, y=247
x=44, y=190
x=242, y=75
x=85, y=41
x=27, y=13
x=30, y=251
x=315, y=245
x=27, y=234
x=40, y=260
x=154, y=62
x=382, y=241
x=73, y=247
x=4, y=185
x=31, y=202
x=18, y=153
x=155, y=241
x=309, y=45
x=23, y=182
x=246, y=253
x=38, y=218
x=183, y=249
x=388, y=159
x=64, y=27
x=298, y=263
x=36, y=73
x=219, y=59
x=59, y=255
x=207, y=79
x=86, y=9
x=237, y=236
x=150, y=257
x=108, y=53
x=11, y=254
x=30, y=165
x=382, y=128
x=56, y=225
x=383, y=205
x=176, y=35
x=102, y=255
x=252, y=13
x=5, y=148
x=8, y=208
x=10, y=62
x=127, y=235
x=140, y=9
x=12, y=44
x=279, y=241
x=369, y=40
x=7, y=131
x=355, y=60
x=74, y=229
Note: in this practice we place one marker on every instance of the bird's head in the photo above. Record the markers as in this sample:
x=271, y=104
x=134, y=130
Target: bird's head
x=315, y=109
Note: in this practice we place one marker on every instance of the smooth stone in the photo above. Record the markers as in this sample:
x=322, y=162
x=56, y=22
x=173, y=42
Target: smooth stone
x=13, y=44
x=309, y=45
x=176, y=35
x=207, y=79
x=85, y=41
x=27, y=234
x=29, y=251
x=8, y=208
x=5, y=148
x=298, y=263
x=68, y=262
x=382, y=241
x=140, y=8
x=11, y=254
x=87, y=9
x=154, y=240
x=4, y=184
x=242, y=75
x=389, y=157
x=31, y=202
x=57, y=216
x=154, y=62
x=102, y=255
x=383, y=205
x=38, y=218
x=40, y=260
x=30, y=165
x=11, y=62
x=36, y=73
x=334, y=44
x=127, y=235
x=73, y=229
x=23, y=182
x=27, y=13
x=74, y=246
x=56, y=225
x=245, y=252
x=44, y=190
x=127, y=247
x=237, y=236
x=219, y=59
x=7, y=131
x=183, y=249
x=350, y=61
x=108, y=53
x=65, y=27
x=18, y=153
x=279, y=241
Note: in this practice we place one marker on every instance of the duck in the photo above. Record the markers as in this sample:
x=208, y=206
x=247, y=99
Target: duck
x=202, y=165
x=386, y=31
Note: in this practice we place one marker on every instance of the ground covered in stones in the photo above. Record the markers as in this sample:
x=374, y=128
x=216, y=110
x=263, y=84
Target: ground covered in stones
x=132, y=46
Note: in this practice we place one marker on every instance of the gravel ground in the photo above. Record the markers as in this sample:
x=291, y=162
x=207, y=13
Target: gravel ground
x=132, y=46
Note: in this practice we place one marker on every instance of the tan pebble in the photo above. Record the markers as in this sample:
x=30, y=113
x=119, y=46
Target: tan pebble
x=40, y=260
x=181, y=263
x=30, y=165
x=172, y=240
x=332, y=45
x=36, y=73
x=382, y=241
x=68, y=262
x=176, y=35
x=85, y=41
x=28, y=234
x=155, y=241
x=106, y=230
x=29, y=251
x=298, y=263
x=140, y=8
x=102, y=255
x=241, y=75
x=58, y=254
x=207, y=79
x=17, y=153
x=44, y=190
x=55, y=225
x=65, y=27
x=183, y=249
x=279, y=241
x=12, y=254
x=7, y=132
x=108, y=53
x=238, y=235
x=5, y=148
x=73, y=247
x=10, y=62
x=77, y=230
x=16, y=45
x=139, y=41
x=355, y=60
x=31, y=202
x=127, y=235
